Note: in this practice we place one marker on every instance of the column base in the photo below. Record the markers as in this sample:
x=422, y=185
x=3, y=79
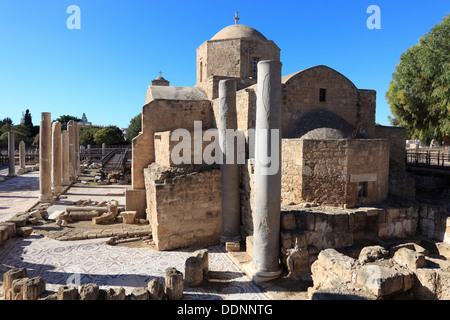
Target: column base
x=45, y=198
x=57, y=190
x=65, y=183
x=258, y=276
x=12, y=175
x=225, y=239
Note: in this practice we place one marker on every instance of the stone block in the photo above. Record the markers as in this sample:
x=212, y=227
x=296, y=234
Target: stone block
x=67, y=293
x=135, y=201
x=288, y=221
x=155, y=290
x=320, y=223
x=297, y=263
x=232, y=246
x=409, y=259
x=11, y=228
x=423, y=211
x=128, y=216
x=8, y=279
x=24, y=231
x=115, y=294
x=384, y=280
x=20, y=219
x=16, y=291
x=332, y=264
x=5, y=233
x=372, y=253
x=194, y=271
x=286, y=239
x=174, y=284
x=203, y=254
x=90, y=291
x=431, y=212
x=139, y=293
x=426, y=285
x=83, y=215
x=392, y=215
x=33, y=288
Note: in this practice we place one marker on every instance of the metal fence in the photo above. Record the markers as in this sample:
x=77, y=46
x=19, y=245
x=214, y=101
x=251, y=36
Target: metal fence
x=94, y=153
x=428, y=158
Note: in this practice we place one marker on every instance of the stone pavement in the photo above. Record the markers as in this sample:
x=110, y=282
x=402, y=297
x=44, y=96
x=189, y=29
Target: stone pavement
x=18, y=194
x=93, y=260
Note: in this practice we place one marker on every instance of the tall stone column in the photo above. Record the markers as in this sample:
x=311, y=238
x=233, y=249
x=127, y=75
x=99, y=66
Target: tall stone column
x=72, y=155
x=267, y=200
x=11, y=155
x=231, y=206
x=65, y=158
x=77, y=149
x=56, y=156
x=22, y=153
x=45, y=154
x=21, y=169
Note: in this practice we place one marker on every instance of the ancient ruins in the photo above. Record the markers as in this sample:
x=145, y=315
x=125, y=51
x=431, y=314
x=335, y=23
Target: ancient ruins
x=314, y=190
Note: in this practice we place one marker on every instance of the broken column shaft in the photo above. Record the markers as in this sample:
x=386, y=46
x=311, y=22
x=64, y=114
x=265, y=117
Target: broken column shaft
x=45, y=154
x=65, y=158
x=72, y=154
x=266, y=216
x=22, y=154
x=11, y=155
x=231, y=206
x=56, y=156
x=77, y=149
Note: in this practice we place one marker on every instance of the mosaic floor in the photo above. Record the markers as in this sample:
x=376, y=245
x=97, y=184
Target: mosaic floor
x=87, y=261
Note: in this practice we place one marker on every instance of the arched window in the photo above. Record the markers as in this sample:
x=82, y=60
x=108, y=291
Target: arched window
x=255, y=67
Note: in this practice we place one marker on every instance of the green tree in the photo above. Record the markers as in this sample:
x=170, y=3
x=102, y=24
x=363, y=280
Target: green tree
x=86, y=135
x=109, y=135
x=20, y=131
x=6, y=120
x=27, y=120
x=134, y=127
x=65, y=119
x=419, y=94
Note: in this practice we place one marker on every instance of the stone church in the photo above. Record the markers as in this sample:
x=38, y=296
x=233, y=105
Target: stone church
x=333, y=152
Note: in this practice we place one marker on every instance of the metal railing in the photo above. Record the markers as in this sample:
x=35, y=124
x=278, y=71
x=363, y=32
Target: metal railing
x=428, y=158
x=115, y=161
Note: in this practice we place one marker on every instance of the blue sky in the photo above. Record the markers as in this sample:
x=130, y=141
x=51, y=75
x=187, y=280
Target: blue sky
x=104, y=68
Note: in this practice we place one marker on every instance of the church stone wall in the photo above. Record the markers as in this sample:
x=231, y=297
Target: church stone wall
x=164, y=115
x=184, y=205
x=301, y=95
x=325, y=172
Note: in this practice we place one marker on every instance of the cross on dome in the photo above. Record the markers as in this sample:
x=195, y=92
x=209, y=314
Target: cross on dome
x=236, y=18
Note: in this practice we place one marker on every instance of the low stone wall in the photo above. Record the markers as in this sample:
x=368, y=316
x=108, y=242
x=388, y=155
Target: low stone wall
x=317, y=228
x=184, y=205
x=401, y=272
x=17, y=226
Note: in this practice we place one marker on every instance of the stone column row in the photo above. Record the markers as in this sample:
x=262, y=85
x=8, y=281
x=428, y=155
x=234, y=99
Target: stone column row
x=59, y=162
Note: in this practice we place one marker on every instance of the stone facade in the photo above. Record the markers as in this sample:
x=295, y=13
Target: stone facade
x=320, y=229
x=183, y=205
x=350, y=167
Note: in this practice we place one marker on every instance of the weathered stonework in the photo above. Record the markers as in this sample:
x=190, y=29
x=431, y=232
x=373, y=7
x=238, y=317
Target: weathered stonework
x=183, y=205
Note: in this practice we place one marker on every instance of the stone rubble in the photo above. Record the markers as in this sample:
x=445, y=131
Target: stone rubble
x=403, y=272
x=17, y=285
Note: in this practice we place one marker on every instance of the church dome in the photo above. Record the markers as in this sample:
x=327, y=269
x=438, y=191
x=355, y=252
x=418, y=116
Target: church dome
x=238, y=31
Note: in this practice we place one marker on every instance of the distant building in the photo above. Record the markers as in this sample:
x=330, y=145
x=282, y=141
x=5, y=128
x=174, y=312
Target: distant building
x=85, y=123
